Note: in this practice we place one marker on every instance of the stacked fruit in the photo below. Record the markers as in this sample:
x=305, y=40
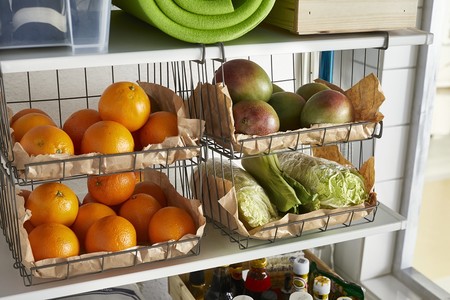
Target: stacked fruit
x=124, y=122
x=261, y=107
x=118, y=212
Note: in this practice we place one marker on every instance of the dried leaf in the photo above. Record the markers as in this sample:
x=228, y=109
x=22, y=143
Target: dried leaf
x=331, y=153
x=367, y=97
x=367, y=170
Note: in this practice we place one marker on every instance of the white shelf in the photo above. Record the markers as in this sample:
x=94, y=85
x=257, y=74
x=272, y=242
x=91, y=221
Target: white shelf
x=134, y=42
x=215, y=250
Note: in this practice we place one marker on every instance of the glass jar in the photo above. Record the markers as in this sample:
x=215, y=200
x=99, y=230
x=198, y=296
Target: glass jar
x=220, y=287
x=257, y=280
x=197, y=285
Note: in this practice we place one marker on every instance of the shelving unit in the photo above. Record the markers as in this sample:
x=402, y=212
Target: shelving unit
x=216, y=250
x=133, y=42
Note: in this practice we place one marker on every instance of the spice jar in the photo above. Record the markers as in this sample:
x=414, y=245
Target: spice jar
x=321, y=288
x=300, y=271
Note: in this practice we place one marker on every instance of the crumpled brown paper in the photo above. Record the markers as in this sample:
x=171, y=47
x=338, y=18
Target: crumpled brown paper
x=100, y=261
x=213, y=104
x=183, y=146
x=220, y=204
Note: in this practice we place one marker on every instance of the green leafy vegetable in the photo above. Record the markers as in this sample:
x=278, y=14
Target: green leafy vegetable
x=335, y=185
x=254, y=207
x=284, y=192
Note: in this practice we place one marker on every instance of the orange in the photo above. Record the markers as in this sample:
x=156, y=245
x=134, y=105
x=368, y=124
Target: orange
x=25, y=111
x=25, y=194
x=111, y=189
x=160, y=125
x=139, y=209
x=151, y=189
x=88, y=199
x=53, y=240
x=125, y=102
x=87, y=214
x=77, y=123
x=137, y=141
x=47, y=139
x=52, y=202
x=170, y=223
x=107, y=137
x=27, y=224
x=28, y=121
x=110, y=233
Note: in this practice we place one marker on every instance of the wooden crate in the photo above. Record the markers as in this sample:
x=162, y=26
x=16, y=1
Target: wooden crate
x=178, y=289
x=340, y=16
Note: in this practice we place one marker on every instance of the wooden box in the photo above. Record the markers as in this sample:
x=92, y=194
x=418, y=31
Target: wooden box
x=340, y=16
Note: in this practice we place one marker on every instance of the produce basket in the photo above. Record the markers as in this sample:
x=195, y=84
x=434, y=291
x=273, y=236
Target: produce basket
x=217, y=105
x=33, y=272
x=224, y=193
x=28, y=168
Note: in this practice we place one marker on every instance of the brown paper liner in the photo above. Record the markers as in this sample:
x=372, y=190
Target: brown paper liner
x=220, y=204
x=100, y=261
x=183, y=146
x=213, y=104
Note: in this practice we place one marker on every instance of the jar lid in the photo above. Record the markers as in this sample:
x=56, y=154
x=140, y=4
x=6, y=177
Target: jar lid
x=259, y=263
x=300, y=296
x=322, y=285
x=301, y=265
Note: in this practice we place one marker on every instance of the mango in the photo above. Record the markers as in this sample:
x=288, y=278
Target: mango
x=254, y=117
x=245, y=80
x=289, y=107
x=328, y=106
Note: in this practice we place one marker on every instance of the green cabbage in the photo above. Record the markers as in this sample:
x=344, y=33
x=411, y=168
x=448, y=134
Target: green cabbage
x=335, y=185
x=284, y=192
x=254, y=207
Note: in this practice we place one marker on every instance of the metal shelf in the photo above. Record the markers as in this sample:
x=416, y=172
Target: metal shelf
x=133, y=42
x=216, y=249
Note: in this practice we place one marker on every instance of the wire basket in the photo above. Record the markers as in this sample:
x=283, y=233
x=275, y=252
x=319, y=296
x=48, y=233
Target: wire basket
x=227, y=148
x=68, y=91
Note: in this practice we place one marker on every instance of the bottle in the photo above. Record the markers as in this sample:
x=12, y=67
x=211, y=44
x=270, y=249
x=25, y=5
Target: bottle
x=321, y=288
x=300, y=271
x=257, y=280
x=220, y=288
x=197, y=285
x=300, y=296
x=286, y=289
x=237, y=282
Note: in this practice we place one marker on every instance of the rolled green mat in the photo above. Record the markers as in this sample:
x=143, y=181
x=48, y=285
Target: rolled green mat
x=200, y=21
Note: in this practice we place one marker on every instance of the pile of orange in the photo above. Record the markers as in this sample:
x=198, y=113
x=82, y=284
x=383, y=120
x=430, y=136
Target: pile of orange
x=123, y=123
x=117, y=213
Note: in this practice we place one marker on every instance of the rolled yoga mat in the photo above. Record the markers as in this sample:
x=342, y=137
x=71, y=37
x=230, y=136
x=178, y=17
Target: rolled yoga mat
x=200, y=21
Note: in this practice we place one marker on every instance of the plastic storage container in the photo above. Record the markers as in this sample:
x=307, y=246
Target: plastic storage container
x=81, y=24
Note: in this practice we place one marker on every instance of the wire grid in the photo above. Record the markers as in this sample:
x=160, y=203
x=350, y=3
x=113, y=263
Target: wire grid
x=66, y=92
x=350, y=66
x=70, y=90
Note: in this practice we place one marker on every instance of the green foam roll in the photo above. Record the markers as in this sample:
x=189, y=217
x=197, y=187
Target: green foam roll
x=200, y=21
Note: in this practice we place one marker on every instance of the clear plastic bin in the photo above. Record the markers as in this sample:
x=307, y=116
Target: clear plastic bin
x=81, y=24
